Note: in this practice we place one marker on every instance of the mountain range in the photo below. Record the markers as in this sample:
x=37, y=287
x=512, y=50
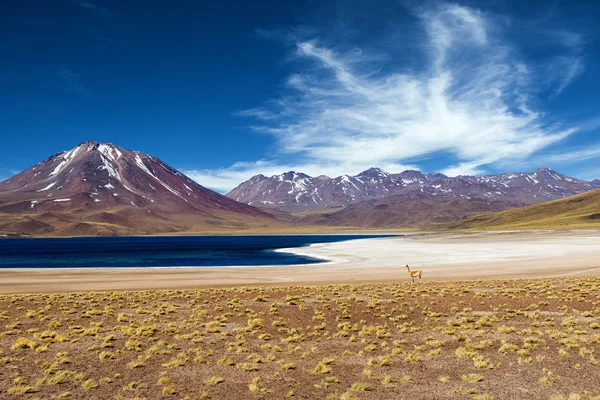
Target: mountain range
x=296, y=191
x=103, y=189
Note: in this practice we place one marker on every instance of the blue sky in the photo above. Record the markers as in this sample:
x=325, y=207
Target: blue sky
x=227, y=90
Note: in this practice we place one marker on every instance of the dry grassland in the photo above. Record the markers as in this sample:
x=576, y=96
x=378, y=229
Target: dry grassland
x=576, y=212
x=486, y=339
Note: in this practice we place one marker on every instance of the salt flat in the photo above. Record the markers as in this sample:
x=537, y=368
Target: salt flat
x=495, y=254
x=440, y=256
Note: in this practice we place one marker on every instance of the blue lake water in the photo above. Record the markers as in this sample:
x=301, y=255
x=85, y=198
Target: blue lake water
x=159, y=251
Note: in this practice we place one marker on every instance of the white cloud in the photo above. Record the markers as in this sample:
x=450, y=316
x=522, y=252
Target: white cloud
x=574, y=155
x=563, y=70
x=568, y=39
x=590, y=124
x=466, y=168
x=471, y=100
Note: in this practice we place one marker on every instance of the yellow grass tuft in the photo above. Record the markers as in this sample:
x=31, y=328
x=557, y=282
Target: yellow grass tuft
x=361, y=387
x=214, y=380
x=257, y=386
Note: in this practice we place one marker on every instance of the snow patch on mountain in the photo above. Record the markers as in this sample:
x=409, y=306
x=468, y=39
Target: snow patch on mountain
x=298, y=191
x=109, y=151
x=67, y=157
x=112, y=172
x=47, y=187
x=141, y=164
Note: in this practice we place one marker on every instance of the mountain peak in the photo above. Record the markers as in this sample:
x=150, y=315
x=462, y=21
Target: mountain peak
x=88, y=143
x=93, y=144
x=107, y=184
x=436, y=176
x=292, y=176
x=373, y=171
x=411, y=175
x=547, y=174
x=411, y=172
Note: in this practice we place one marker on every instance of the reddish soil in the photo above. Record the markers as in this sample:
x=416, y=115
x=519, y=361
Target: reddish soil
x=483, y=339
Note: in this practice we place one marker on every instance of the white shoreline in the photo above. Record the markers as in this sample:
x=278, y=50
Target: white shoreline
x=463, y=253
x=440, y=256
x=462, y=249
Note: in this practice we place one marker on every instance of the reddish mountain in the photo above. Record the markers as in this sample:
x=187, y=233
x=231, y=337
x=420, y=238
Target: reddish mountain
x=100, y=188
x=294, y=191
x=414, y=210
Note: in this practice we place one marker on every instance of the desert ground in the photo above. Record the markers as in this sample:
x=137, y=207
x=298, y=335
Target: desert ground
x=525, y=338
x=440, y=256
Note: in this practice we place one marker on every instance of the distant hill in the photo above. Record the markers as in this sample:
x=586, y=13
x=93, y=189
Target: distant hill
x=401, y=211
x=103, y=189
x=296, y=191
x=580, y=211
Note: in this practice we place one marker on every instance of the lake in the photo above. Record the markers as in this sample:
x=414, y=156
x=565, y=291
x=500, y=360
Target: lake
x=160, y=251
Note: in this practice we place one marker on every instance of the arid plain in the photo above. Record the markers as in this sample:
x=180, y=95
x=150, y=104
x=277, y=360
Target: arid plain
x=479, y=339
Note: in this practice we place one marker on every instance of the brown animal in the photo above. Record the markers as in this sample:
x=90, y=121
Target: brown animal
x=414, y=273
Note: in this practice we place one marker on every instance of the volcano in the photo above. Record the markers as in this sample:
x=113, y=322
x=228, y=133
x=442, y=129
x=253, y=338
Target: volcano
x=103, y=189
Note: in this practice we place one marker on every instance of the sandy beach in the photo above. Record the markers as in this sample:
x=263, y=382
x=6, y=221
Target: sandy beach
x=440, y=256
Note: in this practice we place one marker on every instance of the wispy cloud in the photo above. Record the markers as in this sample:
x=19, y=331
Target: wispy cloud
x=563, y=70
x=472, y=100
x=71, y=78
x=574, y=155
x=564, y=67
x=90, y=6
x=573, y=68
x=590, y=124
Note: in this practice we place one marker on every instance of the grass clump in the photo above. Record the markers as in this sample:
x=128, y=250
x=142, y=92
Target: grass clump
x=257, y=386
x=472, y=378
x=361, y=387
x=214, y=380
